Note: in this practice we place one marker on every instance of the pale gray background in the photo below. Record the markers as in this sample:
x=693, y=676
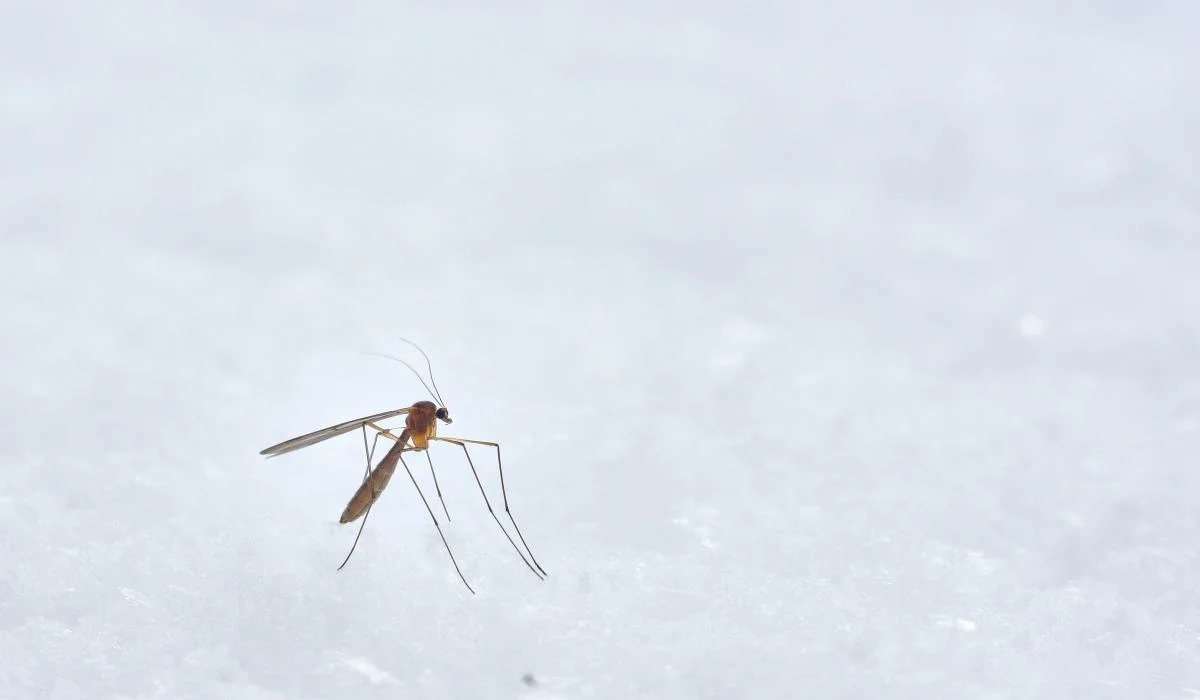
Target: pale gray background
x=839, y=350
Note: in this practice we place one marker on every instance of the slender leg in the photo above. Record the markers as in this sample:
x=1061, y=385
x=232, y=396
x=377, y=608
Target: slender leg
x=503, y=491
x=387, y=433
x=436, y=486
x=370, y=452
x=356, y=536
x=488, y=502
x=382, y=432
x=435, y=524
x=409, y=448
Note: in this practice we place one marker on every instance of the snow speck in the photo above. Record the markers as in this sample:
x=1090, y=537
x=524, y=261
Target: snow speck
x=368, y=670
x=1031, y=325
x=957, y=623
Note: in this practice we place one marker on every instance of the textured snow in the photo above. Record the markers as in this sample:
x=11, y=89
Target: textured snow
x=843, y=350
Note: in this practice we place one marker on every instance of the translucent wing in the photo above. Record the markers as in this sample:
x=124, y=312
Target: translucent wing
x=325, y=433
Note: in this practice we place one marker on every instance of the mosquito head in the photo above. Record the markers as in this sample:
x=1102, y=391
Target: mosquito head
x=443, y=415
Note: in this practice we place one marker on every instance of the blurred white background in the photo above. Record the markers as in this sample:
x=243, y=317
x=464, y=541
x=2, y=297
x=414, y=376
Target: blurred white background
x=837, y=350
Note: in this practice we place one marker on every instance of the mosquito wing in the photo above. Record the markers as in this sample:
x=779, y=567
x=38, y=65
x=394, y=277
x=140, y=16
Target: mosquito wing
x=326, y=433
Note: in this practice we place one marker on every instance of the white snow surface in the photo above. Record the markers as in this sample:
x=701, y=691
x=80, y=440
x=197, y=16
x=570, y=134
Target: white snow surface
x=837, y=350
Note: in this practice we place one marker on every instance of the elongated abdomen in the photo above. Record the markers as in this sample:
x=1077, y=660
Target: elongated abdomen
x=378, y=480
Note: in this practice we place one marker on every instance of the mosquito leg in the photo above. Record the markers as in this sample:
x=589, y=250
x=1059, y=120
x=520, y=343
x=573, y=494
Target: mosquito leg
x=384, y=432
x=491, y=512
x=370, y=453
x=409, y=448
x=435, y=524
x=359, y=534
x=435, y=485
x=503, y=492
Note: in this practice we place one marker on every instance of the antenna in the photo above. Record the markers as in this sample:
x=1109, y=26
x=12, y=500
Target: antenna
x=428, y=366
x=413, y=370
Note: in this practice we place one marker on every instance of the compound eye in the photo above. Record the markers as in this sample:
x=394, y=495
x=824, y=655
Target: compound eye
x=442, y=414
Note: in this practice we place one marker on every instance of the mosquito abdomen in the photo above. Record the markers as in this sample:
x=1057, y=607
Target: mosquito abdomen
x=368, y=492
x=375, y=483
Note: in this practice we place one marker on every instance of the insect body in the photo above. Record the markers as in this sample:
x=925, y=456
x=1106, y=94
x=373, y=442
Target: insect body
x=420, y=429
x=420, y=426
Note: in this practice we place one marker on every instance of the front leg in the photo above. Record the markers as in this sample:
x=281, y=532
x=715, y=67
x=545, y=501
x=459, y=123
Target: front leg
x=402, y=437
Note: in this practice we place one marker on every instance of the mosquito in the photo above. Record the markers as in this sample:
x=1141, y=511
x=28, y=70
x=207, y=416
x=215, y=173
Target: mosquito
x=420, y=428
